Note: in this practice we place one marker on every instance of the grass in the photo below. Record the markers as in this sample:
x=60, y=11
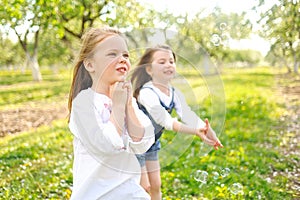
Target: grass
x=18, y=88
x=252, y=112
x=37, y=164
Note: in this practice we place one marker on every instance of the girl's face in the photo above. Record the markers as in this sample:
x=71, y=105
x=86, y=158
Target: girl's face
x=110, y=62
x=163, y=67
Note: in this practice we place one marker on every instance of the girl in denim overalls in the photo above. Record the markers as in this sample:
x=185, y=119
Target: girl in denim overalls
x=157, y=98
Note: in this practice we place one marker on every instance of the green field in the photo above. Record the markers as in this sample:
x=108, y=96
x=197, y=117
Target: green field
x=37, y=163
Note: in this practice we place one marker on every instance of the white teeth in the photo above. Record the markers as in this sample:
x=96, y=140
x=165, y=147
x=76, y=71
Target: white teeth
x=122, y=69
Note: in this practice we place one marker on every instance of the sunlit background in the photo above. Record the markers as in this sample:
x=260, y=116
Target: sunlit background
x=237, y=66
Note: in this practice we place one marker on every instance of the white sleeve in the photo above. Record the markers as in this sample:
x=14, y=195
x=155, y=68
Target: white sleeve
x=184, y=111
x=148, y=139
x=151, y=102
x=98, y=138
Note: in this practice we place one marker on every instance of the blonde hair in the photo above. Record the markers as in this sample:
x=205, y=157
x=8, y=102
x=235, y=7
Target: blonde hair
x=81, y=77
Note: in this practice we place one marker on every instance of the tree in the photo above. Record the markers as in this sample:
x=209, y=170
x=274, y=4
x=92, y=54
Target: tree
x=245, y=57
x=11, y=53
x=281, y=25
x=67, y=21
x=217, y=29
x=75, y=16
x=54, y=52
x=208, y=34
x=27, y=19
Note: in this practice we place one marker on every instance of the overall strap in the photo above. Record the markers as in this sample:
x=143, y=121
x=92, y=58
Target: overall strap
x=158, y=129
x=171, y=105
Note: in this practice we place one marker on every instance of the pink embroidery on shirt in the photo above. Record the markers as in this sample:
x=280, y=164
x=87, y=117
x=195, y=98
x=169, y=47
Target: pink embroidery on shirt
x=107, y=106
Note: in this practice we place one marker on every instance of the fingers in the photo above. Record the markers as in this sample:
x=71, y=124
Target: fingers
x=122, y=85
x=207, y=123
x=122, y=92
x=210, y=138
x=206, y=139
x=206, y=128
x=127, y=85
x=209, y=141
x=217, y=145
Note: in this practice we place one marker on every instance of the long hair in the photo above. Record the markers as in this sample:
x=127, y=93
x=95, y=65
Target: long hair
x=140, y=76
x=81, y=77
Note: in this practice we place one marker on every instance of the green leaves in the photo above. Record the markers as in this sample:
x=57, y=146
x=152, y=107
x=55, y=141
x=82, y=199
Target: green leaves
x=280, y=24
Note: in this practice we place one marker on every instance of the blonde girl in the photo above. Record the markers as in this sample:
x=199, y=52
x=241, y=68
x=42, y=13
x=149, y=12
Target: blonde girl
x=107, y=125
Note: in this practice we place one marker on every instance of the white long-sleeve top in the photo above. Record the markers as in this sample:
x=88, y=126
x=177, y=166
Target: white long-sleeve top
x=151, y=102
x=105, y=165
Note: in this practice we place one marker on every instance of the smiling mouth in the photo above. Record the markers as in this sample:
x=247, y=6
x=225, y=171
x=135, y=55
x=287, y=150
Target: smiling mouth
x=168, y=72
x=122, y=69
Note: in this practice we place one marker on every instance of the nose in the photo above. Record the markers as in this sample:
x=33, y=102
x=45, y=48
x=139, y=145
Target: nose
x=122, y=60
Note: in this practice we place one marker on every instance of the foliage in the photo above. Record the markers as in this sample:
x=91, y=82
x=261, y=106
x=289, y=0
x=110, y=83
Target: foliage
x=37, y=164
x=214, y=31
x=27, y=19
x=281, y=25
x=13, y=53
x=77, y=16
x=249, y=57
x=54, y=52
x=48, y=31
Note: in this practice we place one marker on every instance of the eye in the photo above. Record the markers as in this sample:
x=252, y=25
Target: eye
x=112, y=54
x=126, y=55
x=161, y=62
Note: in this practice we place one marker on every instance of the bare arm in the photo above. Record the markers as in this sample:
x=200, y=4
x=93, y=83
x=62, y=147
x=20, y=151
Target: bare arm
x=200, y=132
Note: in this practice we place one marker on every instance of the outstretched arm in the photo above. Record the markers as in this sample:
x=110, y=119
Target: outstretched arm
x=190, y=118
x=200, y=132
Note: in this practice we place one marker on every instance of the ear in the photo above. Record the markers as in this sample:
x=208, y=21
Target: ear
x=149, y=70
x=88, y=65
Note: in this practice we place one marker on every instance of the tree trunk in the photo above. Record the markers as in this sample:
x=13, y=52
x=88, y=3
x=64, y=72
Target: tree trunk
x=284, y=61
x=35, y=68
x=296, y=66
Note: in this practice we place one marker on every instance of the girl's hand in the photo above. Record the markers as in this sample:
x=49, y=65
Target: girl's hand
x=210, y=133
x=200, y=133
x=127, y=85
x=119, y=95
x=206, y=127
x=119, y=98
x=210, y=136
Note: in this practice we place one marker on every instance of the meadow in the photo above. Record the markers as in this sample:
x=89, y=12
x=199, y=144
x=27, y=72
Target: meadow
x=37, y=163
